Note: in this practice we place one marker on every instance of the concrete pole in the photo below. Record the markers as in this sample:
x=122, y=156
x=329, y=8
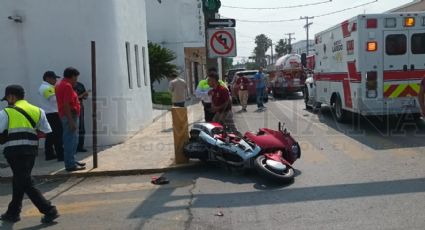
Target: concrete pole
x=220, y=68
x=181, y=133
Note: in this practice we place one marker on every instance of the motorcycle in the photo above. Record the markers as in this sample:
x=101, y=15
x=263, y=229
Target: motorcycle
x=270, y=152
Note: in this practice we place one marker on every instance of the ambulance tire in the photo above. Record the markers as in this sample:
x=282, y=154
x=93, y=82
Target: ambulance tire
x=339, y=112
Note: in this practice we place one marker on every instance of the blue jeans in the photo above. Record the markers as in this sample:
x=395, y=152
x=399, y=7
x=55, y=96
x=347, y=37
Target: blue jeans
x=70, y=142
x=260, y=97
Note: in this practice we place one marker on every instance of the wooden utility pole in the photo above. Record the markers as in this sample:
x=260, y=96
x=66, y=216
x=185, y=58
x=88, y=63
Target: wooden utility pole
x=290, y=38
x=307, y=27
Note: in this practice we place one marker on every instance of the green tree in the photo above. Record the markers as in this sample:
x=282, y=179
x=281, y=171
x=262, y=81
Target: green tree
x=282, y=48
x=159, y=62
x=262, y=45
x=227, y=64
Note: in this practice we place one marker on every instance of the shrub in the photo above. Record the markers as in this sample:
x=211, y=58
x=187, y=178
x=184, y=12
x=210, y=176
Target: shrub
x=162, y=98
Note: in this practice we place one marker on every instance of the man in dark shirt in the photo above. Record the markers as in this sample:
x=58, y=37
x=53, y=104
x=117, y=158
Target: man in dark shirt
x=82, y=93
x=221, y=103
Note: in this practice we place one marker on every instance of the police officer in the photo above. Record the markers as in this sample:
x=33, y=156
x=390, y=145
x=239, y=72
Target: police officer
x=19, y=124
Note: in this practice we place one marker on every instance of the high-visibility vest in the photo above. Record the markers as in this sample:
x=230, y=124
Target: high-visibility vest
x=20, y=130
x=203, y=84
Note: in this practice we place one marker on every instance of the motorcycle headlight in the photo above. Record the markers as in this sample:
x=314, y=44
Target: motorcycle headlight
x=296, y=150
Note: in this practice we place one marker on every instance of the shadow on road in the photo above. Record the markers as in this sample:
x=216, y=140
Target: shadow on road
x=267, y=193
x=378, y=132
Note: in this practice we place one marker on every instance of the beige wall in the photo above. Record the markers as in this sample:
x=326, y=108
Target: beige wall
x=419, y=6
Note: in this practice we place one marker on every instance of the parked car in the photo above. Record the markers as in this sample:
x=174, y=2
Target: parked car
x=231, y=74
x=252, y=93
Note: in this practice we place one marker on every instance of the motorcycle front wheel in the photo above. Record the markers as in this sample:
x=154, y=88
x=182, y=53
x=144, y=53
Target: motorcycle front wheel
x=196, y=149
x=285, y=175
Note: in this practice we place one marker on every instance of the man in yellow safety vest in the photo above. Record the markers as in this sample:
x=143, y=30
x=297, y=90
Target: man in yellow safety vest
x=19, y=124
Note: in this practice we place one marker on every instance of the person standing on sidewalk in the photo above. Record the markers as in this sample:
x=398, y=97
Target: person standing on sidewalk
x=19, y=123
x=260, y=87
x=242, y=83
x=50, y=107
x=69, y=111
x=82, y=93
x=178, y=88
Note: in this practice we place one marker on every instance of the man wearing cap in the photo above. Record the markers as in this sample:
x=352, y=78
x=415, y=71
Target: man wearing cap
x=50, y=106
x=69, y=111
x=19, y=124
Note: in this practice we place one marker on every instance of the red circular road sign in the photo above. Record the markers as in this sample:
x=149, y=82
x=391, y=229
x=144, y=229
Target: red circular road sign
x=222, y=42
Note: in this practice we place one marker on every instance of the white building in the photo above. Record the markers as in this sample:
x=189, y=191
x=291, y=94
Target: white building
x=179, y=26
x=301, y=47
x=52, y=35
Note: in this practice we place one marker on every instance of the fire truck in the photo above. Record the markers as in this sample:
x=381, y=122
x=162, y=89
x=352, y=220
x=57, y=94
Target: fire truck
x=371, y=64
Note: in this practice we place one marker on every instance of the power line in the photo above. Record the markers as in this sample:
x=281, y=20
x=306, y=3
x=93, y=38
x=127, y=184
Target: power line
x=321, y=15
x=367, y=3
x=278, y=7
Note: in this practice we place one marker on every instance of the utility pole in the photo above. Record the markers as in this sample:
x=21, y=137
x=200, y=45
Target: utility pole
x=271, y=47
x=290, y=39
x=307, y=27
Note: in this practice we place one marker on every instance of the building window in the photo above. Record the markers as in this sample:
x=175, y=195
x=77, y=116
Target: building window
x=144, y=65
x=136, y=53
x=130, y=77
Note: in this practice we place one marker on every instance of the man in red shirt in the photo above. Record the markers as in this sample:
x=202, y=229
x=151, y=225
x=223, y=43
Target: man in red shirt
x=69, y=111
x=221, y=103
x=242, y=83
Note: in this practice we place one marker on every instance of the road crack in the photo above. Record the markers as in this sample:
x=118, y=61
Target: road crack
x=189, y=220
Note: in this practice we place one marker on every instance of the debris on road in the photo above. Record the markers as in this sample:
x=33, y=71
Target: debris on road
x=159, y=180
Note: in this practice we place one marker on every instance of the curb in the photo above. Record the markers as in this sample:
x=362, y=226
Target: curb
x=129, y=172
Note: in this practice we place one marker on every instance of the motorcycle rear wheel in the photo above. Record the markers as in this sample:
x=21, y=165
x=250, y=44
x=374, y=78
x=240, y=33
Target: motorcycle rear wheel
x=286, y=175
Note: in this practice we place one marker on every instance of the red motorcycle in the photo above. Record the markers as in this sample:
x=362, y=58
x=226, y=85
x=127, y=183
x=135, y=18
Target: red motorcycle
x=271, y=152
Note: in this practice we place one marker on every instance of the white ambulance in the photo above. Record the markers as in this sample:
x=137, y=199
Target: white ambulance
x=371, y=64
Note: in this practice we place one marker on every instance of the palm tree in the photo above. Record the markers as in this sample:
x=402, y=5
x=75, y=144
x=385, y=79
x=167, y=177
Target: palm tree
x=159, y=62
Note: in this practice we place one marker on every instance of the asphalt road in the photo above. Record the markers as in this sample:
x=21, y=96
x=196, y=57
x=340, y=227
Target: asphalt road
x=359, y=175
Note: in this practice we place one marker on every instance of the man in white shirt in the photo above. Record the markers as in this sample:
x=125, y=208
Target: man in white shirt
x=178, y=90
x=54, y=145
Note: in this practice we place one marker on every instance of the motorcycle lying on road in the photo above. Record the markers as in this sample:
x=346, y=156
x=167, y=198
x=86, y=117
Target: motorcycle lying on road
x=270, y=152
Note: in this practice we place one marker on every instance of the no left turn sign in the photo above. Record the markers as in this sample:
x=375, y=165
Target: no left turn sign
x=221, y=43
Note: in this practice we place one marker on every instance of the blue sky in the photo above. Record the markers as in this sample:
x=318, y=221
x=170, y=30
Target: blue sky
x=246, y=31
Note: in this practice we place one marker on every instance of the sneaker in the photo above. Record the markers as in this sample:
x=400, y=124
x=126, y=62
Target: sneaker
x=75, y=168
x=50, y=216
x=82, y=150
x=80, y=163
x=9, y=218
x=244, y=110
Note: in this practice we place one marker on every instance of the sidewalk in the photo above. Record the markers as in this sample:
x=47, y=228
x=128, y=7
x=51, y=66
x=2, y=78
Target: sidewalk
x=149, y=151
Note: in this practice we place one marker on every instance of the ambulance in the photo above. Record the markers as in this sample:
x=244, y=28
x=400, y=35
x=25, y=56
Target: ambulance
x=371, y=64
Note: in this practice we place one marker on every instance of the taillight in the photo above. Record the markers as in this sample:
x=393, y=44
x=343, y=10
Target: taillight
x=371, y=84
x=372, y=46
x=372, y=23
